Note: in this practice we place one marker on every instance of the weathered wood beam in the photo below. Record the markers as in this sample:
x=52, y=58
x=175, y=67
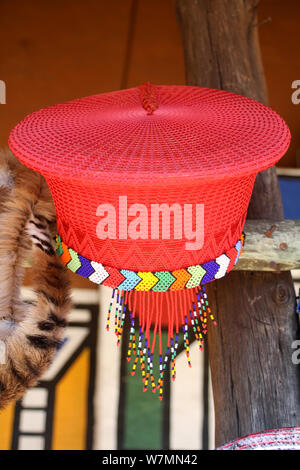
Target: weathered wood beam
x=271, y=246
x=286, y=171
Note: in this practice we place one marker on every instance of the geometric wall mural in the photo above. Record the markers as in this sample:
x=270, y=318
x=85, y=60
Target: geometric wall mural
x=88, y=399
x=58, y=413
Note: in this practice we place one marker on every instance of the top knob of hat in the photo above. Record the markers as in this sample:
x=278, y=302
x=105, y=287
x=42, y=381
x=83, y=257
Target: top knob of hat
x=148, y=96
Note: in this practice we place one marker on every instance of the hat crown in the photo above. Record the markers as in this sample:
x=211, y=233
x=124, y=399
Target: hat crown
x=150, y=134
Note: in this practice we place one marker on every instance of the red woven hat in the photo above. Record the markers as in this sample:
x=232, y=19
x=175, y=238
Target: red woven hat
x=151, y=187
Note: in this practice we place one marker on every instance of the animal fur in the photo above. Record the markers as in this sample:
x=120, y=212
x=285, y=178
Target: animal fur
x=29, y=333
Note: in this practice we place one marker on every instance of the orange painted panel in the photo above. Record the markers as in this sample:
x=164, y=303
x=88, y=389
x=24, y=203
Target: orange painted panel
x=6, y=426
x=70, y=410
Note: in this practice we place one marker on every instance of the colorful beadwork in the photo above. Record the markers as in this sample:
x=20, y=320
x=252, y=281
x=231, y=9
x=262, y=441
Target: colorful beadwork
x=159, y=281
x=124, y=281
x=186, y=283
x=141, y=352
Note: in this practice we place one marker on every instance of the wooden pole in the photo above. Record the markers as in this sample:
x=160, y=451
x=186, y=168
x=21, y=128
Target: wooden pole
x=255, y=383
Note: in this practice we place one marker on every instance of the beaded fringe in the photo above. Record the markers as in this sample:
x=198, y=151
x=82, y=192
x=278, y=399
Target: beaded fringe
x=187, y=311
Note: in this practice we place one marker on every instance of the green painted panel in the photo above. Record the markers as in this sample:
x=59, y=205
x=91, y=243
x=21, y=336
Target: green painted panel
x=143, y=426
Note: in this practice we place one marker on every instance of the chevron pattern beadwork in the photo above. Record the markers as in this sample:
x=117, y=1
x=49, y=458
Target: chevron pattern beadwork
x=159, y=281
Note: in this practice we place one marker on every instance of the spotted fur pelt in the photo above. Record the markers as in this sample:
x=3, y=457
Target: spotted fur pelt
x=29, y=333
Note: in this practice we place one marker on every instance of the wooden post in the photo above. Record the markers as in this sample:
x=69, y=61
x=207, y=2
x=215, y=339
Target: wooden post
x=255, y=383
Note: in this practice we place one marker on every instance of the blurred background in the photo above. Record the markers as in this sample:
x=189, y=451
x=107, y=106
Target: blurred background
x=57, y=50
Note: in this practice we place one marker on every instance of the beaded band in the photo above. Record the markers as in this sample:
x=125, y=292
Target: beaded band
x=158, y=281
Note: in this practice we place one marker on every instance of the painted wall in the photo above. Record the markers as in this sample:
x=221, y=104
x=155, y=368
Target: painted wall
x=56, y=50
